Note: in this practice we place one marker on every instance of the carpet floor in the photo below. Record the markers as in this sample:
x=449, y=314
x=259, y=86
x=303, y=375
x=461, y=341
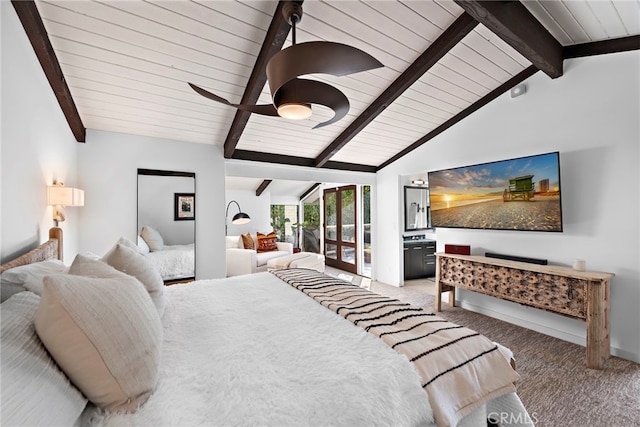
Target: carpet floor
x=555, y=386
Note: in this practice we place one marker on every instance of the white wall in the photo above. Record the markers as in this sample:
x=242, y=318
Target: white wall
x=283, y=199
x=37, y=148
x=108, y=165
x=258, y=208
x=591, y=116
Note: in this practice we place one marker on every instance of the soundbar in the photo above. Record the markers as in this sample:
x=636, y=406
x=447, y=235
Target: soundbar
x=516, y=258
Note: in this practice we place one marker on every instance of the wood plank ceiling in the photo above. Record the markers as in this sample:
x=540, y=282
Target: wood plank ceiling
x=127, y=64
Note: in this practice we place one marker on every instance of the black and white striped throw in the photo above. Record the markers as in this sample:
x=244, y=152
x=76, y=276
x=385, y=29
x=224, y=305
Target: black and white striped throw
x=459, y=368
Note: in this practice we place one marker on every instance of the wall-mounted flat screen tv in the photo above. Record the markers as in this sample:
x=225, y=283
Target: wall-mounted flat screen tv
x=516, y=194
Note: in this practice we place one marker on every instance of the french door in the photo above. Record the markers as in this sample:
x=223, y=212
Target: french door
x=340, y=230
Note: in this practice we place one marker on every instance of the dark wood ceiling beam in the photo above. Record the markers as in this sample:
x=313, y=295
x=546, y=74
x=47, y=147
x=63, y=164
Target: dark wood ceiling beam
x=621, y=44
x=506, y=86
x=37, y=34
x=263, y=186
x=447, y=40
x=309, y=190
x=273, y=42
x=256, y=156
x=513, y=23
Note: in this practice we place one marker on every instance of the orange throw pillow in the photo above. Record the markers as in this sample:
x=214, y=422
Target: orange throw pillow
x=267, y=242
x=247, y=241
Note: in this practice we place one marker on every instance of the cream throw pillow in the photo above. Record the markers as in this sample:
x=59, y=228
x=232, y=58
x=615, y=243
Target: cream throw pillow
x=35, y=391
x=153, y=238
x=104, y=332
x=127, y=260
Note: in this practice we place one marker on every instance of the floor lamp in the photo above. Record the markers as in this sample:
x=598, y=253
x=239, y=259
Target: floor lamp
x=239, y=218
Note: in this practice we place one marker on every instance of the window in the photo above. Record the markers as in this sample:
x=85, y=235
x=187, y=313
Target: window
x=311, y=225
x=366, y=223
x=283, y=221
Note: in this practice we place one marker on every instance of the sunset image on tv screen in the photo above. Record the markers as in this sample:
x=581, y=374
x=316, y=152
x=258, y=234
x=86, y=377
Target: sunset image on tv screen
x=515, y=194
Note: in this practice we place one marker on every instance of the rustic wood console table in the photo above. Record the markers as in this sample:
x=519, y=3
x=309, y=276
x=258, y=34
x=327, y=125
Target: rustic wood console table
x=578, y=294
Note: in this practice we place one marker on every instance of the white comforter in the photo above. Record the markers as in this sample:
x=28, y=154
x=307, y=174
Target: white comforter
x=174, y=261
x=252, y=350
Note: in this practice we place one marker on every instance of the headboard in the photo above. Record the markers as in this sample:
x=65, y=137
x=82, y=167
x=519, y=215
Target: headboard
x=51, y=249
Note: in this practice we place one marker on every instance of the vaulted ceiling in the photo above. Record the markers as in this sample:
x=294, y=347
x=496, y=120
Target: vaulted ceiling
x=123, y=66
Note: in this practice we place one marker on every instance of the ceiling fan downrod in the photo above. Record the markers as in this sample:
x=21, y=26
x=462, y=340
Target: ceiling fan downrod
x=293, y=14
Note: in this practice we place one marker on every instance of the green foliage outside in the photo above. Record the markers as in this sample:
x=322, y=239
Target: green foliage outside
x=278, y=221
x=366, y=195
x=311, y=216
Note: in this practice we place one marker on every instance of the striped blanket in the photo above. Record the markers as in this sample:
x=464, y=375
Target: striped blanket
x=459, y=368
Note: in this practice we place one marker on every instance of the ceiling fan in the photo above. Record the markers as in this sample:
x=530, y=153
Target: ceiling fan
x=292, y=96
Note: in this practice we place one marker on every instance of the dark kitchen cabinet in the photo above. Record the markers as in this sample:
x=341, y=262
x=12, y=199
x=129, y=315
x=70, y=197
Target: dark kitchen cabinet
x=419, y=259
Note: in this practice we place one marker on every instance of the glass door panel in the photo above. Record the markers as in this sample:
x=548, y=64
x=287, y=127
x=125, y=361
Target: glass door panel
x=340, y=229
x=331, y=251
x=348, y=215
x=330, y=216
x=348, y=255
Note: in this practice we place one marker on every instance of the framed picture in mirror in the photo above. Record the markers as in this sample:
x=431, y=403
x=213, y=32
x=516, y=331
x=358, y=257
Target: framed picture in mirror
x=184, y=206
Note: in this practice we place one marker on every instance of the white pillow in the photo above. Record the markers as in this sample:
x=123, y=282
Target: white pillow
x=126, y=242
x=90, y=254
x=142, y=246
x=104, y=332
x=233, y=242
x=127, y=260
x=28, y=277
x=152, y=237
x=34, y=389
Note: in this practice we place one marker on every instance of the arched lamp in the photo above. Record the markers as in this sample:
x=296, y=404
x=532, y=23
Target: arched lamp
x=239, y=218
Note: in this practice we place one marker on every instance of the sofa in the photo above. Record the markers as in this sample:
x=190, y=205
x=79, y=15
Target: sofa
x=247, y=261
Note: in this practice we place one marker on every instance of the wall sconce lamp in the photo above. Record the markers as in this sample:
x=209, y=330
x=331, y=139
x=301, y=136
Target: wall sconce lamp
x=418, y=181
x=59, y=196
x=239, y=218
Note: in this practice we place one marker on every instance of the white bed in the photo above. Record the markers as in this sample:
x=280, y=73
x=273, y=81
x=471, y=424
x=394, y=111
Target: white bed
x=174, y=261
x=254, y=350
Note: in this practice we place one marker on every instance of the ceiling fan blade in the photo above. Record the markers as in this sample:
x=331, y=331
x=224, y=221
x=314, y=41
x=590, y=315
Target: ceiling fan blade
x=264, y=109
x=317, y=57
x=314, y=92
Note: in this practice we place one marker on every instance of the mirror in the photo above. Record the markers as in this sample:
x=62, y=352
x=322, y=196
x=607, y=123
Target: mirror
x=416, y=208
x=167, y=223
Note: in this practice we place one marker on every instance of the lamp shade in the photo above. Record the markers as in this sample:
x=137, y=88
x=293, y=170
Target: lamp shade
x=65, y=196
x=241, y=218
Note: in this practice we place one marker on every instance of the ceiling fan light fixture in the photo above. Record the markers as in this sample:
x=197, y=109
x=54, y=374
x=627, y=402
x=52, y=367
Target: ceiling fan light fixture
x=292, y=96
x=294, y=110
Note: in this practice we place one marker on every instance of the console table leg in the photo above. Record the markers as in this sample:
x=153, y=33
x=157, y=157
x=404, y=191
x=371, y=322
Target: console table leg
x=597, y=324
x=606, y=342
x=440, y=290
x=438, y=303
